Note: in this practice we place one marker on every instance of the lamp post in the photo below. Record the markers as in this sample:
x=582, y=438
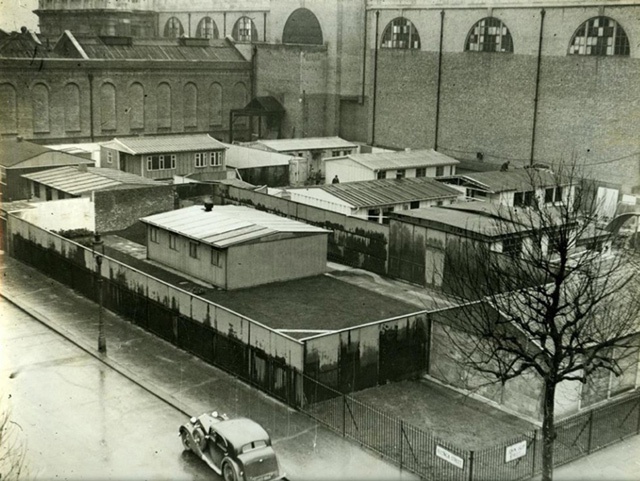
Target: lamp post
x=98, y=252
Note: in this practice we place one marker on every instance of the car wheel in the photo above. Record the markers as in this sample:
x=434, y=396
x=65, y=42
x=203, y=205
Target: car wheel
x=199, y=439
x=185, y=440
x=228, y=472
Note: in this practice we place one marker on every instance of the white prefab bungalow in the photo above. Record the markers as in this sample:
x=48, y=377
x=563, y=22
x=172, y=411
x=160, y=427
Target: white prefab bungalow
x=233, y=246
x=390, y=165
x=375, y=199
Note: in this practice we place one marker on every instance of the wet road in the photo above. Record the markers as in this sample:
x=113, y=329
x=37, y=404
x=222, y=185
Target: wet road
x=80, y=419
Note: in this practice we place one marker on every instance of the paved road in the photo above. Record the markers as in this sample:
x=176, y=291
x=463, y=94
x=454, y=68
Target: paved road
x=79, y=418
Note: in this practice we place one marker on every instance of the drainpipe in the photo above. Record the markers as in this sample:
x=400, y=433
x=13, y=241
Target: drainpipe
x=535, y=98
x=364, y=55
x=375, y=83
x=437, y=126
x=91, y=135
x=264, y=26
x=224, y=24
x=189, y=24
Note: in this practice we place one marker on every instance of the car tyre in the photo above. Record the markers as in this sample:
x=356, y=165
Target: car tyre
x=228, y=472
x=185, y=440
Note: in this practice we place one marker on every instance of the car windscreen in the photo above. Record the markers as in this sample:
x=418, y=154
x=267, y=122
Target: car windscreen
x=253, y=445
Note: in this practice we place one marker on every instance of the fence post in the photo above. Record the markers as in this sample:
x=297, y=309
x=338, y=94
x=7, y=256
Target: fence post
x=590, y=432
x=344, y=415
x=535, y=445
x=471, y=465
x=401, y=442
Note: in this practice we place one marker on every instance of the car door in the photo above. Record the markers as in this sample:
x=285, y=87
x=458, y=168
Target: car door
x=218, y=448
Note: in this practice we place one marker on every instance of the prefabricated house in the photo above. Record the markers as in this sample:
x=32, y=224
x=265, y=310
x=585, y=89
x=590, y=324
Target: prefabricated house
x=234, y=246
x=390, y=165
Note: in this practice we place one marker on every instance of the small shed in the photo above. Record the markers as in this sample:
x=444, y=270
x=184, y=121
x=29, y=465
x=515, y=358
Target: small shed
x=259, y=167
x=234, y=246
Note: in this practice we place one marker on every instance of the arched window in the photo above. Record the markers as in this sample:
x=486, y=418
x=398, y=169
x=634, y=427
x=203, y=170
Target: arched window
x=239, y=100
x=215, y=104
x=207, y=28
x=302, y=27
x=164, y=106
x=9, y=109
x=173, y=28
x=136, y=106
x=108, y=119
x=40, y=102
x=71, y=108
x=489, y=35
x=245, y=30
x=190, y=108
x=600, y=36
x=400, y=33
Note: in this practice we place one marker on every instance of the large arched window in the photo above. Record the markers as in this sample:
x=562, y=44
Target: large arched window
x=600, y=36
x=108, y=107
x=302, y=27
x=164, y=106
x=207, y=28
x=245, y=30
x=9, y=109
x=400, y=33
x=215, y=104
x=489, y=35
x=190, y=105
x=136, y=106
x=40, y=102
x=173, y=28
x=71, y=108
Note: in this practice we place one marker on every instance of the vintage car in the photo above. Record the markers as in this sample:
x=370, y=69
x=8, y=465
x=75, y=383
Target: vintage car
x=238, y=449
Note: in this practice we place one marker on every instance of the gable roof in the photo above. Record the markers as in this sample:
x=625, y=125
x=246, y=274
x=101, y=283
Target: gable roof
x=25, y=44
x=239, y=157
x=307, y=143
x=14, y=151
x=164, y=144
x=510, y=180
x=227, y=225
x=405, y=159
x=389, y=191
x=75, y=181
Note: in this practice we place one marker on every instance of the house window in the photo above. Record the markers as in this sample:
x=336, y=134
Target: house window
x=523, y=199
x=153, y=234
x=373, y=214
x=381, y=174
x=109, y=157
x=415, y=204
x=400, y=173
x=201, y=159
x=245, y=30
x=173, y=242
x=48, y=193
x=385, y=214
x=400, y=33
x=215, y=257
x=600, y=36
x=173, y=161
x=512, y=246
x=193, y=250
x=215, y=158
x=489, y=35
x=421, y=172
x=553, y=195
x=335, y=153
x=440, y=171
x=36, y=189
x=155, y=162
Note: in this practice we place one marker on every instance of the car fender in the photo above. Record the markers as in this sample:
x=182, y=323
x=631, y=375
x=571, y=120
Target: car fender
x=239, y=472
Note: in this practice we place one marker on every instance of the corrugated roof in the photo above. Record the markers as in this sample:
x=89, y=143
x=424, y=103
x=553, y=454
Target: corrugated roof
x=23, y=45
x=13, y=151
x=227, y=225
x=240, y=157
x=164, y=144
x=405, y=159
x=159, y=49
x=389, y=191
x=308, y=143
x=74, y=181
x=511, y=180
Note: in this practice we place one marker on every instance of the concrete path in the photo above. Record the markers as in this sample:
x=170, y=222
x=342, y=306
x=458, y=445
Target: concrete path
x=307, y=450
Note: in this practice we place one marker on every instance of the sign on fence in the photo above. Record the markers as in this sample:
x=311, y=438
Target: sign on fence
x=515, y=451
x=449, y=457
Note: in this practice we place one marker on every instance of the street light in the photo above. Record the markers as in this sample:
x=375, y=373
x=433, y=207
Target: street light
x=98, y=252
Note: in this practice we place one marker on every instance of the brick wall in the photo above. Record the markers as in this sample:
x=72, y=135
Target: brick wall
x=121, y=208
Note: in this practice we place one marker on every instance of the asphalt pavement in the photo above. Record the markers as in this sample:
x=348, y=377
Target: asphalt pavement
x=306, y=449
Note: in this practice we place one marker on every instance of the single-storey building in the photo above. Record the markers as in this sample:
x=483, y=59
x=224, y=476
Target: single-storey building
x=375, y=199
x=390, y=165
x=260, y=167
x=311, y=150
x=19, y=157
x=162, y=157
x=233, y=246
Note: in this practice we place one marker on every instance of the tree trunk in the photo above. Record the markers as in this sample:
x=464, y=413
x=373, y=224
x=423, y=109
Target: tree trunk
x=548, y=430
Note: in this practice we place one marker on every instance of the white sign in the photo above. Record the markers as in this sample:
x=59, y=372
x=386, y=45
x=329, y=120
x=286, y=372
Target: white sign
x=449, y=457
x=515, y=451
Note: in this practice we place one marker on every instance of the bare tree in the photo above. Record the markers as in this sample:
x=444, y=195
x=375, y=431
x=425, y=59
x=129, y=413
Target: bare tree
x=560, y=301
x=12, y=448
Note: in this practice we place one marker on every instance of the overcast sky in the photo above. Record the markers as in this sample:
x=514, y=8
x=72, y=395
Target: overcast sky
x=16, y=13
